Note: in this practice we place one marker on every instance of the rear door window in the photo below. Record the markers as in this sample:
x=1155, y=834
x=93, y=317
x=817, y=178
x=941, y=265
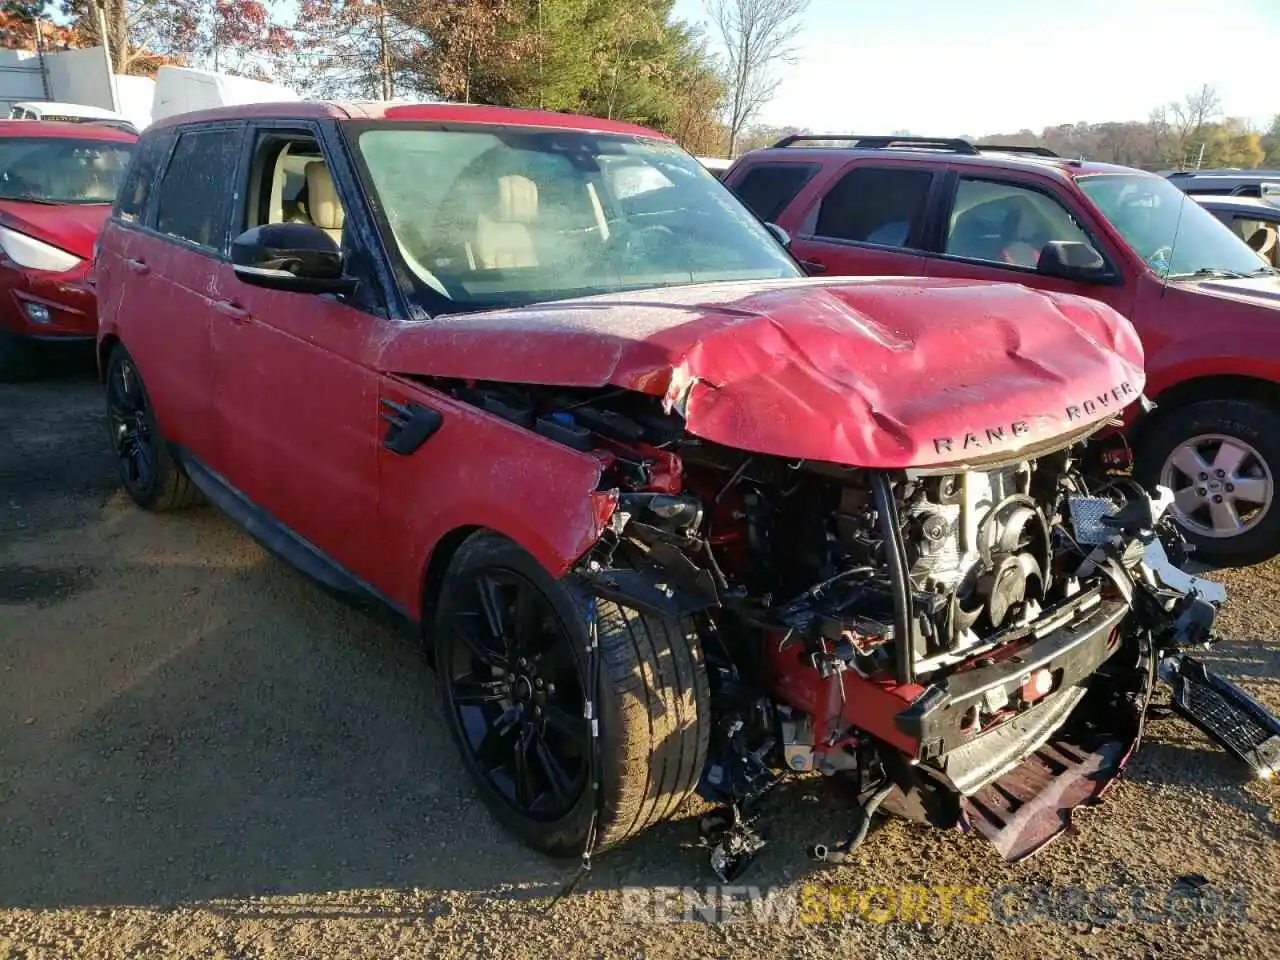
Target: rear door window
x=131, y=201
x=194, y=197
x=767, y=188
x=884, y=206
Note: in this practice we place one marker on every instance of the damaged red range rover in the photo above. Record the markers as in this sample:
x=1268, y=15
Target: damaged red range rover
x=672, y=517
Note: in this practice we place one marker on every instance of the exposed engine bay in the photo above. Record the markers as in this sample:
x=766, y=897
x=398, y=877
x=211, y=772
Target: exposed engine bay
x=970, y=646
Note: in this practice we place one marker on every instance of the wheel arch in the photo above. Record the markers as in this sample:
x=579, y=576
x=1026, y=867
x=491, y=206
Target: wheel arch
x=104, y=348
x=437, y=566
x=1227, y=386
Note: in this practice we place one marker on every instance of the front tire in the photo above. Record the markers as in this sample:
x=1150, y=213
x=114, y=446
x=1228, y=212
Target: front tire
x=147, y=469
x=1221, y=458
x=510, y=653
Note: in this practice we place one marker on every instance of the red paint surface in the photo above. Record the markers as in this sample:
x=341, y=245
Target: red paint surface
x=866, y=373
x=411, y=113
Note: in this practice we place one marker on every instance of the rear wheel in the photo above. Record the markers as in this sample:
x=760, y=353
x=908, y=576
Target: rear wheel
x=147, y=469
x=19, y=358
x=1221, y=459
x=510, y=652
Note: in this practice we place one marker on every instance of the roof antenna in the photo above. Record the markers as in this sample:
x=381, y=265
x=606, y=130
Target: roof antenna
x=1173, y=246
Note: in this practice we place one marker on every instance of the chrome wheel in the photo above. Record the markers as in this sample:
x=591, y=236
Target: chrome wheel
x=1222, y=486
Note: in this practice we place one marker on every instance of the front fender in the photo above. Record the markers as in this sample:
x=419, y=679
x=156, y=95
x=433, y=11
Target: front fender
x=478, y=470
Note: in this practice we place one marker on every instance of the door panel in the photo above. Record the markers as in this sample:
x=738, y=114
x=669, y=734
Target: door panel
x=1119, y=298
x=172, y=272
x=821, y=258
x=167, y=295
x=298, y=414
x=297, y=408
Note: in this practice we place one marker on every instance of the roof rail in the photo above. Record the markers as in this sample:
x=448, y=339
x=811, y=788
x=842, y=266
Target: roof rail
x=864, y=142
x=1015, y=148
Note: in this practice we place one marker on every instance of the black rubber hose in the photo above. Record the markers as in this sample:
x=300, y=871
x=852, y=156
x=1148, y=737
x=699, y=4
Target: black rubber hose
x=820, y=852
x=895, y=554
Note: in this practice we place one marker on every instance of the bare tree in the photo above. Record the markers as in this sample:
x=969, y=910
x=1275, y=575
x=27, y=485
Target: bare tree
x=758, y=36
x=1187, y=121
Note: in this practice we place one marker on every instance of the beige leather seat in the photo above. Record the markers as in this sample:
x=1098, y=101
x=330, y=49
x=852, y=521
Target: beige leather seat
x=323, y=207
x=502, y=237
x=1264, y=242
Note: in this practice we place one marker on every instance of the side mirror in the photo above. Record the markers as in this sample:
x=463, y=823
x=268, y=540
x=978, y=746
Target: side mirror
x=297, y=257
x=1072, y=260
x=784, y=238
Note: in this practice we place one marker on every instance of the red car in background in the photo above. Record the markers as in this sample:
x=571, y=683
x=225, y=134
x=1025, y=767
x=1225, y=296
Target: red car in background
x=57, y=183
x=1205, y=305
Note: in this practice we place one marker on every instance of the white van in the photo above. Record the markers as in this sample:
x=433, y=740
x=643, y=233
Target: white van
x=69, y=113
x=184, y=89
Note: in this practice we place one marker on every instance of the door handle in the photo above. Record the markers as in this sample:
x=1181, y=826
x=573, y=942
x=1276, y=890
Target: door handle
x=229, y=308
x=137, y=266
x=813, y=266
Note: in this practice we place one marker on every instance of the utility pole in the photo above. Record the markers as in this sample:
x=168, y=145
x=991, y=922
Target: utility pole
x=100, y=6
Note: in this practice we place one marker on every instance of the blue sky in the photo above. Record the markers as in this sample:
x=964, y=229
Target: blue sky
x=951, y=67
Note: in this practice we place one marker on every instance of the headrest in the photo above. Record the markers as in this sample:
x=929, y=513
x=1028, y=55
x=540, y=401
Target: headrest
x=1263, y=240
x=322, y=199
x=517, y=200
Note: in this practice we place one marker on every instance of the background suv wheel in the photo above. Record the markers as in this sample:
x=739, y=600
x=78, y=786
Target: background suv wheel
x=1221, y=459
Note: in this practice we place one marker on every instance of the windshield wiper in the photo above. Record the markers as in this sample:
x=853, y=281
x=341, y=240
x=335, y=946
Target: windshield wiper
x=48, y=203
x=1217, y=273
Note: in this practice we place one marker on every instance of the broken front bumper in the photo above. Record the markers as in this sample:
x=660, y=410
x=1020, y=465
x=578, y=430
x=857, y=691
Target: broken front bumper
x=1077, y=639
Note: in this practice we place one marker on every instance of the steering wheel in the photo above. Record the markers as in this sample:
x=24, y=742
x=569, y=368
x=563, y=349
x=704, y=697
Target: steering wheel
x=649, y=235
x=1164, y=254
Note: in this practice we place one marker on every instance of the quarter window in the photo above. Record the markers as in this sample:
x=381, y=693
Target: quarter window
x=878, y=205
x=767, y=188
x=1007, y=224
x=192, y=201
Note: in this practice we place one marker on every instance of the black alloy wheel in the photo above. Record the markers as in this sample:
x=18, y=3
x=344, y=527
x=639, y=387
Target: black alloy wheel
x=132, y=436
x=516, y=693
x=147, y=468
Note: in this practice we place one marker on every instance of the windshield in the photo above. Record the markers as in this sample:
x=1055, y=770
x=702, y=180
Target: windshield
x=49, y=170
x=1173, y=233
x=488, y=217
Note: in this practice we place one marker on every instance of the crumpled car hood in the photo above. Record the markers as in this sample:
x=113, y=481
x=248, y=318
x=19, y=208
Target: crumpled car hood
x=873, y=372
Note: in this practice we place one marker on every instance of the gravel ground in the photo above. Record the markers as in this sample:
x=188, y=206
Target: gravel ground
x=202, y=755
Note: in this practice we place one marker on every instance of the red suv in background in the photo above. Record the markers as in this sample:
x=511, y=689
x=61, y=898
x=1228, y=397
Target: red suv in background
x=57, y=183
x=1204, y=303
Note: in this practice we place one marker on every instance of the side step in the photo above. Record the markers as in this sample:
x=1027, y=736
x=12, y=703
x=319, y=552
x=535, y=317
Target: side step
x=1231, y=718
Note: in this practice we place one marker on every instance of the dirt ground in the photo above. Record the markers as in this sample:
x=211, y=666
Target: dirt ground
x=202, y=755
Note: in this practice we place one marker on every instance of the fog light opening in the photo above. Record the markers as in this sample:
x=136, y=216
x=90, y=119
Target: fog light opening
x=38, y=313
